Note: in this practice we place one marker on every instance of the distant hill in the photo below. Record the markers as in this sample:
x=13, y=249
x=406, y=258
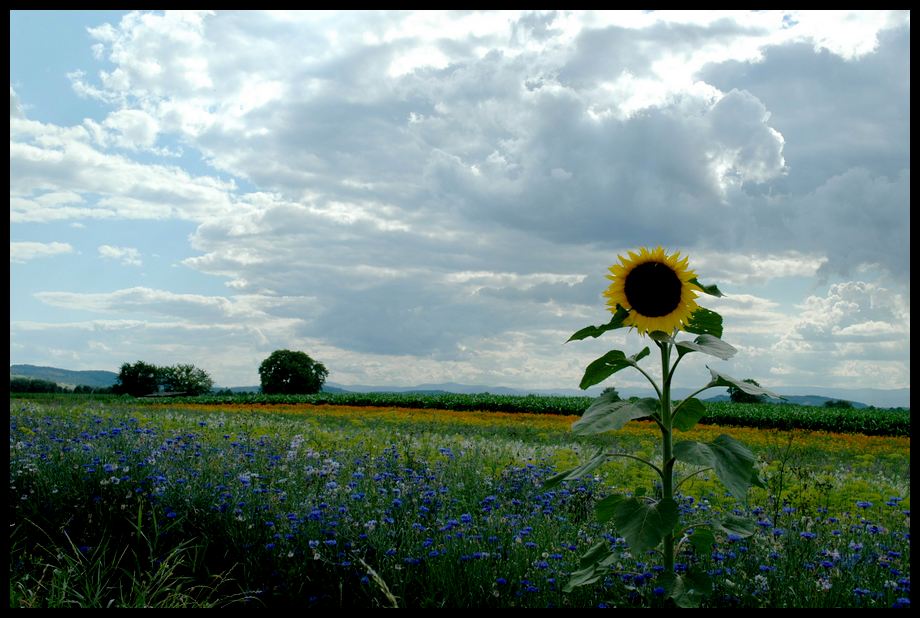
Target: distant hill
x=801, y=400
x=65, y=377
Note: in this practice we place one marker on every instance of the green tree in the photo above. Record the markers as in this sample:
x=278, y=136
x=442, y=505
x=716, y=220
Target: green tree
x=185, y=379
x=290, y=372
x=838, y=403
x=739, y=396
x=611, y=394
x=32, y=385
x=137, y=380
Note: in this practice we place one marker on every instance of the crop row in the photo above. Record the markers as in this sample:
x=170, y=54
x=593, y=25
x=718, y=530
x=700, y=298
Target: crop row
x=869, y=421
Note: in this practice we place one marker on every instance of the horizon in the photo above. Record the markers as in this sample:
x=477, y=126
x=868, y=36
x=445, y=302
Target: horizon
x=868, y=396
x=430, y=197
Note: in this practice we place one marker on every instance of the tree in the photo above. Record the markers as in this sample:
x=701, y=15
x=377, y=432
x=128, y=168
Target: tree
x=137, y=380
x=838, y=403
x=612, y=393
x=185, y=379
x=289, y=372
x=739, y=396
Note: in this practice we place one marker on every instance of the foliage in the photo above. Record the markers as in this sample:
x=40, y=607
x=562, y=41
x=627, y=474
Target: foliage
x=185, y=379
x=737, y=395
x=838, y=403
x=143, y=378
x=138, y=379
x=30, y=385
x=611, y=393
x=289, y=372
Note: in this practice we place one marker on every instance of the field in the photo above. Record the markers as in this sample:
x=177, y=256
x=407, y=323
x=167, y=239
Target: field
x=284, y=505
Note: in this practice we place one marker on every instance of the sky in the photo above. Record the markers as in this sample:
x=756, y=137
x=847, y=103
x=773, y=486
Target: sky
x=432, y=197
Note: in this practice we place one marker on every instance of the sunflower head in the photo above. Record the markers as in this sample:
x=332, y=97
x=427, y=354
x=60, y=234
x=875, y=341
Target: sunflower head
x=657, y=289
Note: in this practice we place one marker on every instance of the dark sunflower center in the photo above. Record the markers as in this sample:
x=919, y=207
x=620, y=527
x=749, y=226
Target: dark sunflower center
x=653, y=289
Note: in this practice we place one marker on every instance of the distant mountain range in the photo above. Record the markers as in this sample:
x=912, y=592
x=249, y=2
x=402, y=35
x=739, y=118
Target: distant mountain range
x=802, y=395
x=64, y=377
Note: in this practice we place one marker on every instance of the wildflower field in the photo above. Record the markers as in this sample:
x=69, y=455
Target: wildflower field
x=120, y=504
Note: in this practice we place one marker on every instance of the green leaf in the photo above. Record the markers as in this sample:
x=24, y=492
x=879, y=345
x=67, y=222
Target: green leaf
x=732, y=461
x=643, y=524
x=691, y=588
x=583, y=577
x=605, y=508
x=720, y=379
x=732, y=524
x=707, y=344
x=712, y=290
x=608, y=364
x=596, y=331
x=598, y=552
x=688, y=413
x=593, y=565
x=574, y=473
x=702, y=540
x=607, y=415
x=704, y=322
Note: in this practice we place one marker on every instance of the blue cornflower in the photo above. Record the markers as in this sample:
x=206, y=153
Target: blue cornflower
x=658, y=591
x=807, y=535
x=863, y=504
x=901, y=603
x=501, y=581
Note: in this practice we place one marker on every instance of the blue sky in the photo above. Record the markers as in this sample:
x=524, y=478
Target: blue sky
x=431, y=197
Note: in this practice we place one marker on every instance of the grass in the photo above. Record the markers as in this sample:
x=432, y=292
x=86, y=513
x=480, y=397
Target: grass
x=333, y=506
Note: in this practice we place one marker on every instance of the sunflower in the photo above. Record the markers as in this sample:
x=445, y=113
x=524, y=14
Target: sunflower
x=657, y=289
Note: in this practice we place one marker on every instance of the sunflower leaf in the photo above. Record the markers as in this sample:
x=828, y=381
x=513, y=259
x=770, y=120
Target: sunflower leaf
x=712, y=290
x=702, y=540
x=720, y=379
x=704, y=322
x=688, y=413
x=732, y=461
x=608, y=364
x=596, y=331
x=605, y=414
x=578, y=472
x=707, y=344
x=732, y=524
x=690, y=588
x=643, y=524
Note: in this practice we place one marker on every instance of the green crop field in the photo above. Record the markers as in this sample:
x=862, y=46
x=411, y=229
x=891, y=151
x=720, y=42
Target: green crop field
x=252, y=503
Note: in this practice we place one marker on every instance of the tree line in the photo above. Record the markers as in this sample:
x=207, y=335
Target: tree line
x=283, y=372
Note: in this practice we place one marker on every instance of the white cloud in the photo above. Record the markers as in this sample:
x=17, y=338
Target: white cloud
x=21, y=252
x=129, y=256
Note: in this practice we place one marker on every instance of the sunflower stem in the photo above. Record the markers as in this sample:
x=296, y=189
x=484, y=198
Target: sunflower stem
x=667, y=455
x=650, y=379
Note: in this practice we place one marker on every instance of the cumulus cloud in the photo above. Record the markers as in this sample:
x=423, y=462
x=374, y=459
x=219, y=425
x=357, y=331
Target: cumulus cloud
x=21, y=252
x=129, y=256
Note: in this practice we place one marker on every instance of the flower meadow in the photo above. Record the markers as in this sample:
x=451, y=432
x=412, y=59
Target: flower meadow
x=115, y=504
